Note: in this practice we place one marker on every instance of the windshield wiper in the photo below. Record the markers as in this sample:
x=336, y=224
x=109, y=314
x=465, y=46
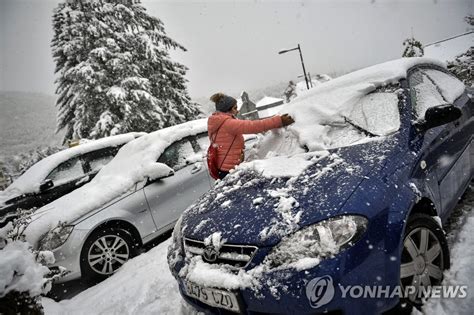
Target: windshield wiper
x=364, y=131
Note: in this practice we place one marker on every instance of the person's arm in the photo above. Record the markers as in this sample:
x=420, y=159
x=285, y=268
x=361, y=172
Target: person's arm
x=238, y=126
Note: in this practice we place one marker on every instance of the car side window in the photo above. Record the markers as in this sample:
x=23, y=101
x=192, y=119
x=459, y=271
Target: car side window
x=67, y=171
x=175, y=155
x=424, y=93
x=94, y=161
x=202, y=141
x=451, y=88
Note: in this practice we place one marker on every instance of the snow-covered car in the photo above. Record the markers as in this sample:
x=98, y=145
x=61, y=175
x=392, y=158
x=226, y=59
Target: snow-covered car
x=133, y=199
x=58, y=175
x=342, y=212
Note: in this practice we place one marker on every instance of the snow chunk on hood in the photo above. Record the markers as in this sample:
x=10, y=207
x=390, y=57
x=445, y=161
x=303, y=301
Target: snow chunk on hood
x=134, y=163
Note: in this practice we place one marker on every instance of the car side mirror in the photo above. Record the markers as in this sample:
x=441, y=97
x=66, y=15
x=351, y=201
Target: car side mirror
x=159, y=171
x=46, y=184
x=438, y=116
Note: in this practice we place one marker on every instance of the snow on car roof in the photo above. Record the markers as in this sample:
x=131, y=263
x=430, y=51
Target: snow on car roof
x=30, y=181
x=135, y=162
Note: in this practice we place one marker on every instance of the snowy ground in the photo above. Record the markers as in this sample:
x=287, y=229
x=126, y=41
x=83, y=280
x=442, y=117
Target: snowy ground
x=461, y=242
x=145, y=286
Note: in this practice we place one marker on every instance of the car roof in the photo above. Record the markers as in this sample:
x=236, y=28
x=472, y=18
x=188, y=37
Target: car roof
x=30, y=181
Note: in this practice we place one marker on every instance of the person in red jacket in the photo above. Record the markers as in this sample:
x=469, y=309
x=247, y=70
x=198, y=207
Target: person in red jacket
x=227, y=131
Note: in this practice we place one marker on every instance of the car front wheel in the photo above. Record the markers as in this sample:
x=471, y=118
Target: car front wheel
x=425, y=256
x=105, y=251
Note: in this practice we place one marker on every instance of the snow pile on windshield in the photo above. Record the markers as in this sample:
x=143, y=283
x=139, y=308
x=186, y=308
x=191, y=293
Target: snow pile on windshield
x=134, y=163
x=352, y=109
x=31, y=180
x=316, y=109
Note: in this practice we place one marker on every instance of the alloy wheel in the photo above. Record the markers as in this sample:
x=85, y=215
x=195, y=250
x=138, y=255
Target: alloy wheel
x=422, y=262
x=107, y=254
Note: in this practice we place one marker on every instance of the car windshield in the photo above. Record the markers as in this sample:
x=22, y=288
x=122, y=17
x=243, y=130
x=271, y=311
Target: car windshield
x=373, y=115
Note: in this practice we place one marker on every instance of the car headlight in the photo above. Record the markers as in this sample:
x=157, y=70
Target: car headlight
x=55, y=237
x=175, y=250
x=318, y=241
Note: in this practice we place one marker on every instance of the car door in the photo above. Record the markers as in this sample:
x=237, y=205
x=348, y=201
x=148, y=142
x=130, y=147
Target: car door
x=169, y=197
x=441, y=147
x=454, y=170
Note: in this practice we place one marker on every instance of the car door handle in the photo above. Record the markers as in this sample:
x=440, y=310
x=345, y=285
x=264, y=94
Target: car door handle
x=197, y=167
x=444, y=134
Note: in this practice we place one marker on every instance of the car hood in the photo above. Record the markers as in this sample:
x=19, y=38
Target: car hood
x=247, y=208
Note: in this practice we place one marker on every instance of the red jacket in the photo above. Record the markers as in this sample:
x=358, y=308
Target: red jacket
x=235, y=128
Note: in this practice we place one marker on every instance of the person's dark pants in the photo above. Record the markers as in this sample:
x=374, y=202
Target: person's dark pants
x=222, y=174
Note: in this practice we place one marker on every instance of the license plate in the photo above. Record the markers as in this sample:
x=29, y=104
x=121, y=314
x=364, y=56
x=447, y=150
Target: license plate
x=213, y=297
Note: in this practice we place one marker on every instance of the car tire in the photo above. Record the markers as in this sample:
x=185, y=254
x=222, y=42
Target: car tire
x=424, y=257
x=105, y=251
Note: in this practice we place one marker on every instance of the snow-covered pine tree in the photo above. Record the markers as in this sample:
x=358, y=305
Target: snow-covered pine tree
x=463, y=65
x=413, y=48
x=114, y=71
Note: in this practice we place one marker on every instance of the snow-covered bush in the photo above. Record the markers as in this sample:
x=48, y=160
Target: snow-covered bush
x=23, y=272
x=413, y=48
x=115, y=74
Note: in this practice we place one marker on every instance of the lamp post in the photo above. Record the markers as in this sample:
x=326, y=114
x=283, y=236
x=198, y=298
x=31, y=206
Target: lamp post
x=302, y=63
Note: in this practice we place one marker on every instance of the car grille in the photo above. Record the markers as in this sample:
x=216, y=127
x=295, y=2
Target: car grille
x=237, y=256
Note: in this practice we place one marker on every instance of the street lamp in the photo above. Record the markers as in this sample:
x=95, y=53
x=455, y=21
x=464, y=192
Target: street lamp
x=302, y=63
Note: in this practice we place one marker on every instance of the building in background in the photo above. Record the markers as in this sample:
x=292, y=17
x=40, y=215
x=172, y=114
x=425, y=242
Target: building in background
x=247, y=108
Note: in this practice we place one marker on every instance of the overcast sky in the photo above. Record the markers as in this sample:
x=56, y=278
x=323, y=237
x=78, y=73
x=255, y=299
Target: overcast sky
x=233, y=45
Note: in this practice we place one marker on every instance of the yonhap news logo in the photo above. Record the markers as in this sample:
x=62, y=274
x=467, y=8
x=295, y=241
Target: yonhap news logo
x=320, y=291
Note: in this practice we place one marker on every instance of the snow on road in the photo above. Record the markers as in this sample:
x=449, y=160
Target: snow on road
x=145, y=285
x=462, y=267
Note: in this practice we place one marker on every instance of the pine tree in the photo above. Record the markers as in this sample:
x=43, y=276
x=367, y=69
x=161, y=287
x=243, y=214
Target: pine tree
x=463, y=65
x=114, y=71
x=413, y=48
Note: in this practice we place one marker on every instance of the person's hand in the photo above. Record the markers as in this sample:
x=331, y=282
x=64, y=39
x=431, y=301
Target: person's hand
x=286, y=120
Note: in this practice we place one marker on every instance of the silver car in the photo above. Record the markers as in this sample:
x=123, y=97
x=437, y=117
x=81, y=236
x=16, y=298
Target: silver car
x=97, y=241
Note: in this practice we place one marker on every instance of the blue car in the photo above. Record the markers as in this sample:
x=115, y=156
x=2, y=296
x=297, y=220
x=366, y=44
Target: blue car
x=343, y=212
